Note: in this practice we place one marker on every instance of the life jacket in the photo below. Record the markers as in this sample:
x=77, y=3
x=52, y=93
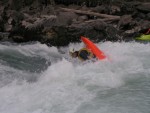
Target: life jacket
x=85, y=54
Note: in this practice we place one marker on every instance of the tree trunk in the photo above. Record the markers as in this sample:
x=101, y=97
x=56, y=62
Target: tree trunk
x=91, y=13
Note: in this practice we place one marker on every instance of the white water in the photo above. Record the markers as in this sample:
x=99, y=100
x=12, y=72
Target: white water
x=119, y=85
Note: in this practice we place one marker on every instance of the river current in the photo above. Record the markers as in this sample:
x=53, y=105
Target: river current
x=35, y=78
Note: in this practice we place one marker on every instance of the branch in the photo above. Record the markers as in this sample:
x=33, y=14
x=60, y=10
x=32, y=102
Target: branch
x=91, y=13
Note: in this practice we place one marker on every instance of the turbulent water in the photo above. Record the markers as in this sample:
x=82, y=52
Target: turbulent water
x=35, y=78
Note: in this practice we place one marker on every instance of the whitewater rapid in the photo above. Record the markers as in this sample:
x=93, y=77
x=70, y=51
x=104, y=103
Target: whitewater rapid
x=35, y=78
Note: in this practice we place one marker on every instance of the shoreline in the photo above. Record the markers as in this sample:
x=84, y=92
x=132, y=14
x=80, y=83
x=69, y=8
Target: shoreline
x=58, y=24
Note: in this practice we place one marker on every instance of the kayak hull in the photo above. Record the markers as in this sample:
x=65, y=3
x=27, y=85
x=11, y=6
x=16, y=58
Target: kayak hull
x=93, y=48
x=143, y=37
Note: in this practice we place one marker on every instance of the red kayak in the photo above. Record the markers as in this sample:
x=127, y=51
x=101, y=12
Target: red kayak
x=93, y=48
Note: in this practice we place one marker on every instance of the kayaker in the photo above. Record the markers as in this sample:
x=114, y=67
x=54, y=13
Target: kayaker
x=83, y=54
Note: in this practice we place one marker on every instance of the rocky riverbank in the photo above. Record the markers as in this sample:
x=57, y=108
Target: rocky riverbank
x=58, y=24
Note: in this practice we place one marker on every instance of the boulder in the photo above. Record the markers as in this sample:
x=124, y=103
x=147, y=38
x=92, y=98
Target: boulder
x=125, y=20
x=129, y=7
x=38, y=22
x=48, y=35
x=148, y=16
x=4, y=36
x=141, y=16
x=112, y=34
x=1, y=24
x=8, y=27
x=18, y=38
x=15, y=15
x=66, y=18
x=82, y=18
x=15, y=4
x=115, y=10
x=101, y=9
x=94, y=30
x=145, y=8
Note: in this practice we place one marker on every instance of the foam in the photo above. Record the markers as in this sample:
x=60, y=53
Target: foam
x=73, y=87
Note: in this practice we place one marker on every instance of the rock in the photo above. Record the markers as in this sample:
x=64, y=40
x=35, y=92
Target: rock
x=63, y=35
x=18, y=38
x=124, y=21
x=15, y=15
x=129, y=7
x=49, y=10
x=1, y=24
x=144, y=24
x=115, y=10
x=27, y=2
x=4, y=16
x=12, y=18
x=68, y=2
x=66, y=18
x=17, y=30
x=141, y=15
x=148, y=16
x=8, y=27
x=82, y=18
x=38, y=22
x=145, y=8
x=15, y=4
x=48, y=35
x=74, y=7
x=94, y=30
x=4, y=36
x=112, y=34
x=101, y=9
x=62, y=38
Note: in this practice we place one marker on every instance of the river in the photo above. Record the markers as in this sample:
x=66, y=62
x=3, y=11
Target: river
x=35, y=78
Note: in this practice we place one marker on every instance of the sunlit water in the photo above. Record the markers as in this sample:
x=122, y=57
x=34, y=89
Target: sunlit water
x=35, y=78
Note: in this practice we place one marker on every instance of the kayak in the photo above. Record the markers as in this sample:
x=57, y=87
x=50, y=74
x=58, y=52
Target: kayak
x=143, y=37
x=93, y=48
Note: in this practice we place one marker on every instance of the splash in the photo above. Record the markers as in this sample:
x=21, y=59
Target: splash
x=69, y=86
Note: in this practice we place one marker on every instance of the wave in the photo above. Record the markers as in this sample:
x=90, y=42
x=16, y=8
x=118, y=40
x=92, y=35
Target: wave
x=120, y=84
